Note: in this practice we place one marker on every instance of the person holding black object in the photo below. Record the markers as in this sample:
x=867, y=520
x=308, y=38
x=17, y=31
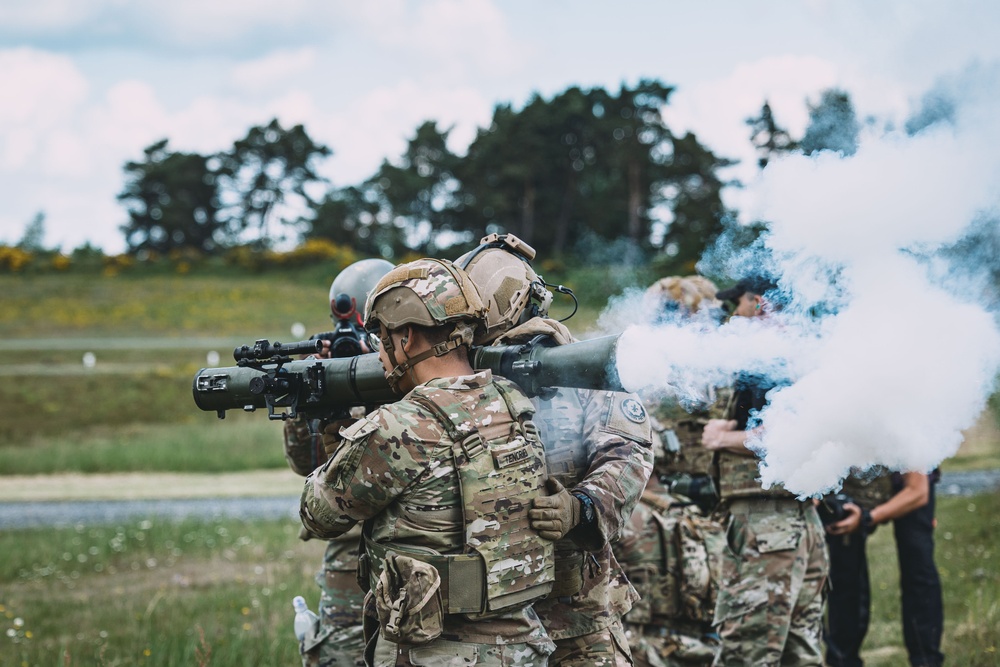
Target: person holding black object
x=911, y=509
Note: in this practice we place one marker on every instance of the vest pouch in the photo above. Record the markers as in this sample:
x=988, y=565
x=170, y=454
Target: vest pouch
x=408, y=601
x=569, y=574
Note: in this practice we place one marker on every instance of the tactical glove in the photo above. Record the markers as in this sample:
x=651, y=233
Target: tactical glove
x=555, y=515
x=537, y=326
x=331, y=435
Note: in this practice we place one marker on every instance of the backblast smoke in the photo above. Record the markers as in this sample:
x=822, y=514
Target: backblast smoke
x=887, y=343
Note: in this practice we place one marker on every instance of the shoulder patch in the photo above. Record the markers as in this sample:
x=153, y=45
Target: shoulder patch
x=633, y=410
x=359, y=429
x=625, y=416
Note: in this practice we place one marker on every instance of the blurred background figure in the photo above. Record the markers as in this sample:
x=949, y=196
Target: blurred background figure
x=670, y=551
x=686, y=467
x=865, y=502
x=770, y=605
x=337, y=640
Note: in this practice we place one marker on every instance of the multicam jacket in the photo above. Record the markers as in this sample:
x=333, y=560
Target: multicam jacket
x=597, y=443
x=396, y=471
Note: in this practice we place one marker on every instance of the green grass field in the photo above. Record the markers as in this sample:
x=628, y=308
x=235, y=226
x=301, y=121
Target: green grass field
x=154, y=593
x=219, y=593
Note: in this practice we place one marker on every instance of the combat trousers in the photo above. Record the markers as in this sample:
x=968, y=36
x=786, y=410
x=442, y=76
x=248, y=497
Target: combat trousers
x=338, y=641
x=770, y=606
x=849, y=599
x=672, y=644
x=604, y=648
x=920, y=585
x=443, y=653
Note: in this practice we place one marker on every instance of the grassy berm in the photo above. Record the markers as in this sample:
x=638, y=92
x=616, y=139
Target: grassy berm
x=219, y=592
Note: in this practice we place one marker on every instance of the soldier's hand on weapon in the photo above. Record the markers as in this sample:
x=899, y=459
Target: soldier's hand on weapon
x=555, y=515
x=331, y=434
x=717, y=433
x=848, y=524
x=325, y=353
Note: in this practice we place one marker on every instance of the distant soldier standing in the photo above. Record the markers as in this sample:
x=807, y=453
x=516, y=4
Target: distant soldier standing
x=442, y=480
x=598, y=456
x=671, y=552
x=770, y=605
x=338, y=639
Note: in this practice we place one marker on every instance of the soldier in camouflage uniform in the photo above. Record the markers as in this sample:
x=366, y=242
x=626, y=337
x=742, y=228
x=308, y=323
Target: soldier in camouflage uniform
x=598, y=456
x=337, y=640
x=671, y=552
x=442, y=480
x=770, y=605
x=686, y=467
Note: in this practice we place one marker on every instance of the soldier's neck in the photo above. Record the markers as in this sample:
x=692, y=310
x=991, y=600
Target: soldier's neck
x=453, y=364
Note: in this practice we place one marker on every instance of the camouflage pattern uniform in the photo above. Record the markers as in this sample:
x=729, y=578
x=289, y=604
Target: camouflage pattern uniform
x=401, y=470
x=599, y=444
x=673, y=556
x=685, y=467
x=770, y=605
x=338, y=641
x=672, y=625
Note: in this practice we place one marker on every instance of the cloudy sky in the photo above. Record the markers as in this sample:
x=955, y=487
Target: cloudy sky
x=87, y=85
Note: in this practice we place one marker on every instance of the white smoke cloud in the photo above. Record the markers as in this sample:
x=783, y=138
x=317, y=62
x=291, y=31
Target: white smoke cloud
x=904, y=358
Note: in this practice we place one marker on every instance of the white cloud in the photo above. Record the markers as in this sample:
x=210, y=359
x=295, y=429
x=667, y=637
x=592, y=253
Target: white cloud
x=459, y=37
x=378, y=124
x=272, y=70
x=48, y=15
x=43, y=91
x=717, y=110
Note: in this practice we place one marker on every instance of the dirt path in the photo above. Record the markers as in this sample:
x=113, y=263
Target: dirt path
x=135, y=485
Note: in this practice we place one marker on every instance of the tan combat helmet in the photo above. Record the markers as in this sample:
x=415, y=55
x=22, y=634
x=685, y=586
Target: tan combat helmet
x=512, y=291
x=687, y=294
x=428, y=293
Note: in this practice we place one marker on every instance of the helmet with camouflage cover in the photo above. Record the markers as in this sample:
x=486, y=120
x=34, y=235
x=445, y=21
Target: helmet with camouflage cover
x=350, y=288
x=428, y=293
x=686, y=295
x=512, y=292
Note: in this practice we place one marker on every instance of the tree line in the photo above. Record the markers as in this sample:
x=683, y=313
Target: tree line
x=584, y=166
x=582, y=170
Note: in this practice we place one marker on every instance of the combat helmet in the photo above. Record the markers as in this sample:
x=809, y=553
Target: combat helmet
x=685, y=295
x=512, y=292
x=427, y=293
x=350, y=288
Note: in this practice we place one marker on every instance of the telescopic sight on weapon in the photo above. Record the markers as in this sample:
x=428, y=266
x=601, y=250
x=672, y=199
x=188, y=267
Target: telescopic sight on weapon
x=262, y=350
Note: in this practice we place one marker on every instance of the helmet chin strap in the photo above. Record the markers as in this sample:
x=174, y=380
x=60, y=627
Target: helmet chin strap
x=462, y=335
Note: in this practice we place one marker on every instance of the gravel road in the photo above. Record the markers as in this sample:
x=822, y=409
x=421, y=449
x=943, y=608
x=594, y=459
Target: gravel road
x=92, y=512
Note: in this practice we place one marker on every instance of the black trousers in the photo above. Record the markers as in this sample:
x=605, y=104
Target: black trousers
x=849, y=601
x=920, y=586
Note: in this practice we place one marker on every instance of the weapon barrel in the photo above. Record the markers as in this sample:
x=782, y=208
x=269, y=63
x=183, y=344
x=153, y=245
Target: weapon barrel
x=360, y=380
x=589, y=364
x=347, y=382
